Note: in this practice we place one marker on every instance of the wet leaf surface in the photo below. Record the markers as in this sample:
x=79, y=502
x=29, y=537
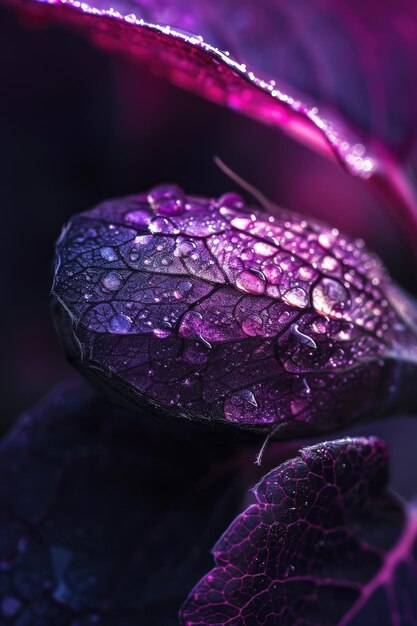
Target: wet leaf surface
x=325, y=543
x=215, y=311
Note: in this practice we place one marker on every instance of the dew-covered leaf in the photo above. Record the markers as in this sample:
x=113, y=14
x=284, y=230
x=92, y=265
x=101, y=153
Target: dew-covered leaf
x=215, y=311
x=339, y=78
x=105, y=519
x=325, y=544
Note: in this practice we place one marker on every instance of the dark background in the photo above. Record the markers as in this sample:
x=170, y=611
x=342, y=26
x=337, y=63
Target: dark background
x=77, y=127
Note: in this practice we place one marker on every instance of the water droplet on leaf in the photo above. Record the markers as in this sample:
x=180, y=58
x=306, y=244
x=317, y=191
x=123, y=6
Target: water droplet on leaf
x=185, y=247
x=161, y=225
x=182, y=288
x=252, y=325
x=167, y=200
x=296, y=297
x=108, y=254
x=329, y=296
x=112, y=281
x=251, y=281
x=120, y=324
x=191, y=324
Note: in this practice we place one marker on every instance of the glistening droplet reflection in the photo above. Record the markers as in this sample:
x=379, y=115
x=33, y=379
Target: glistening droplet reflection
x=329, y=296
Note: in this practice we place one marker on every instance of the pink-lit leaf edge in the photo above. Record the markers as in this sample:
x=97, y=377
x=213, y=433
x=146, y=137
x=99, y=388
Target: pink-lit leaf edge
x=194, y=64
x=325, y=543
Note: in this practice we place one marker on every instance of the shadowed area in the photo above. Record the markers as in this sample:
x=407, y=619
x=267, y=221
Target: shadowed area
x=106, y=519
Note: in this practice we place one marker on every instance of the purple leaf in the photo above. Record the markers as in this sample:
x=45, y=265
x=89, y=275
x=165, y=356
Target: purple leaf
x=283, y=60
x=325, y=543
x=212, y=310
x=106, y=519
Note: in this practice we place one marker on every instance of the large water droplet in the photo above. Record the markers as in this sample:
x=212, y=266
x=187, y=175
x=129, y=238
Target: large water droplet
x=191, y=324
x=231, y=201
x=241, y=223
x=120, y=324
x=162, y=331
x=108, y=254
x=329, y=264
x=182, y=288
x=244, y=396
x=185, y=247
x=273, y=273
x=329, y=296
x=112, y=281
x=251, y=281
x=296, y=297
x=264, y=249
x=306, y=272
x=139, y=218
x=252, y=325
x=327, y=238
x=167, y=200
x=240, y=406
x=161, y=225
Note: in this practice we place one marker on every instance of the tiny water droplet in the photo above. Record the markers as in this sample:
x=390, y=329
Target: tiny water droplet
x=345, y=333
x=320, y=326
